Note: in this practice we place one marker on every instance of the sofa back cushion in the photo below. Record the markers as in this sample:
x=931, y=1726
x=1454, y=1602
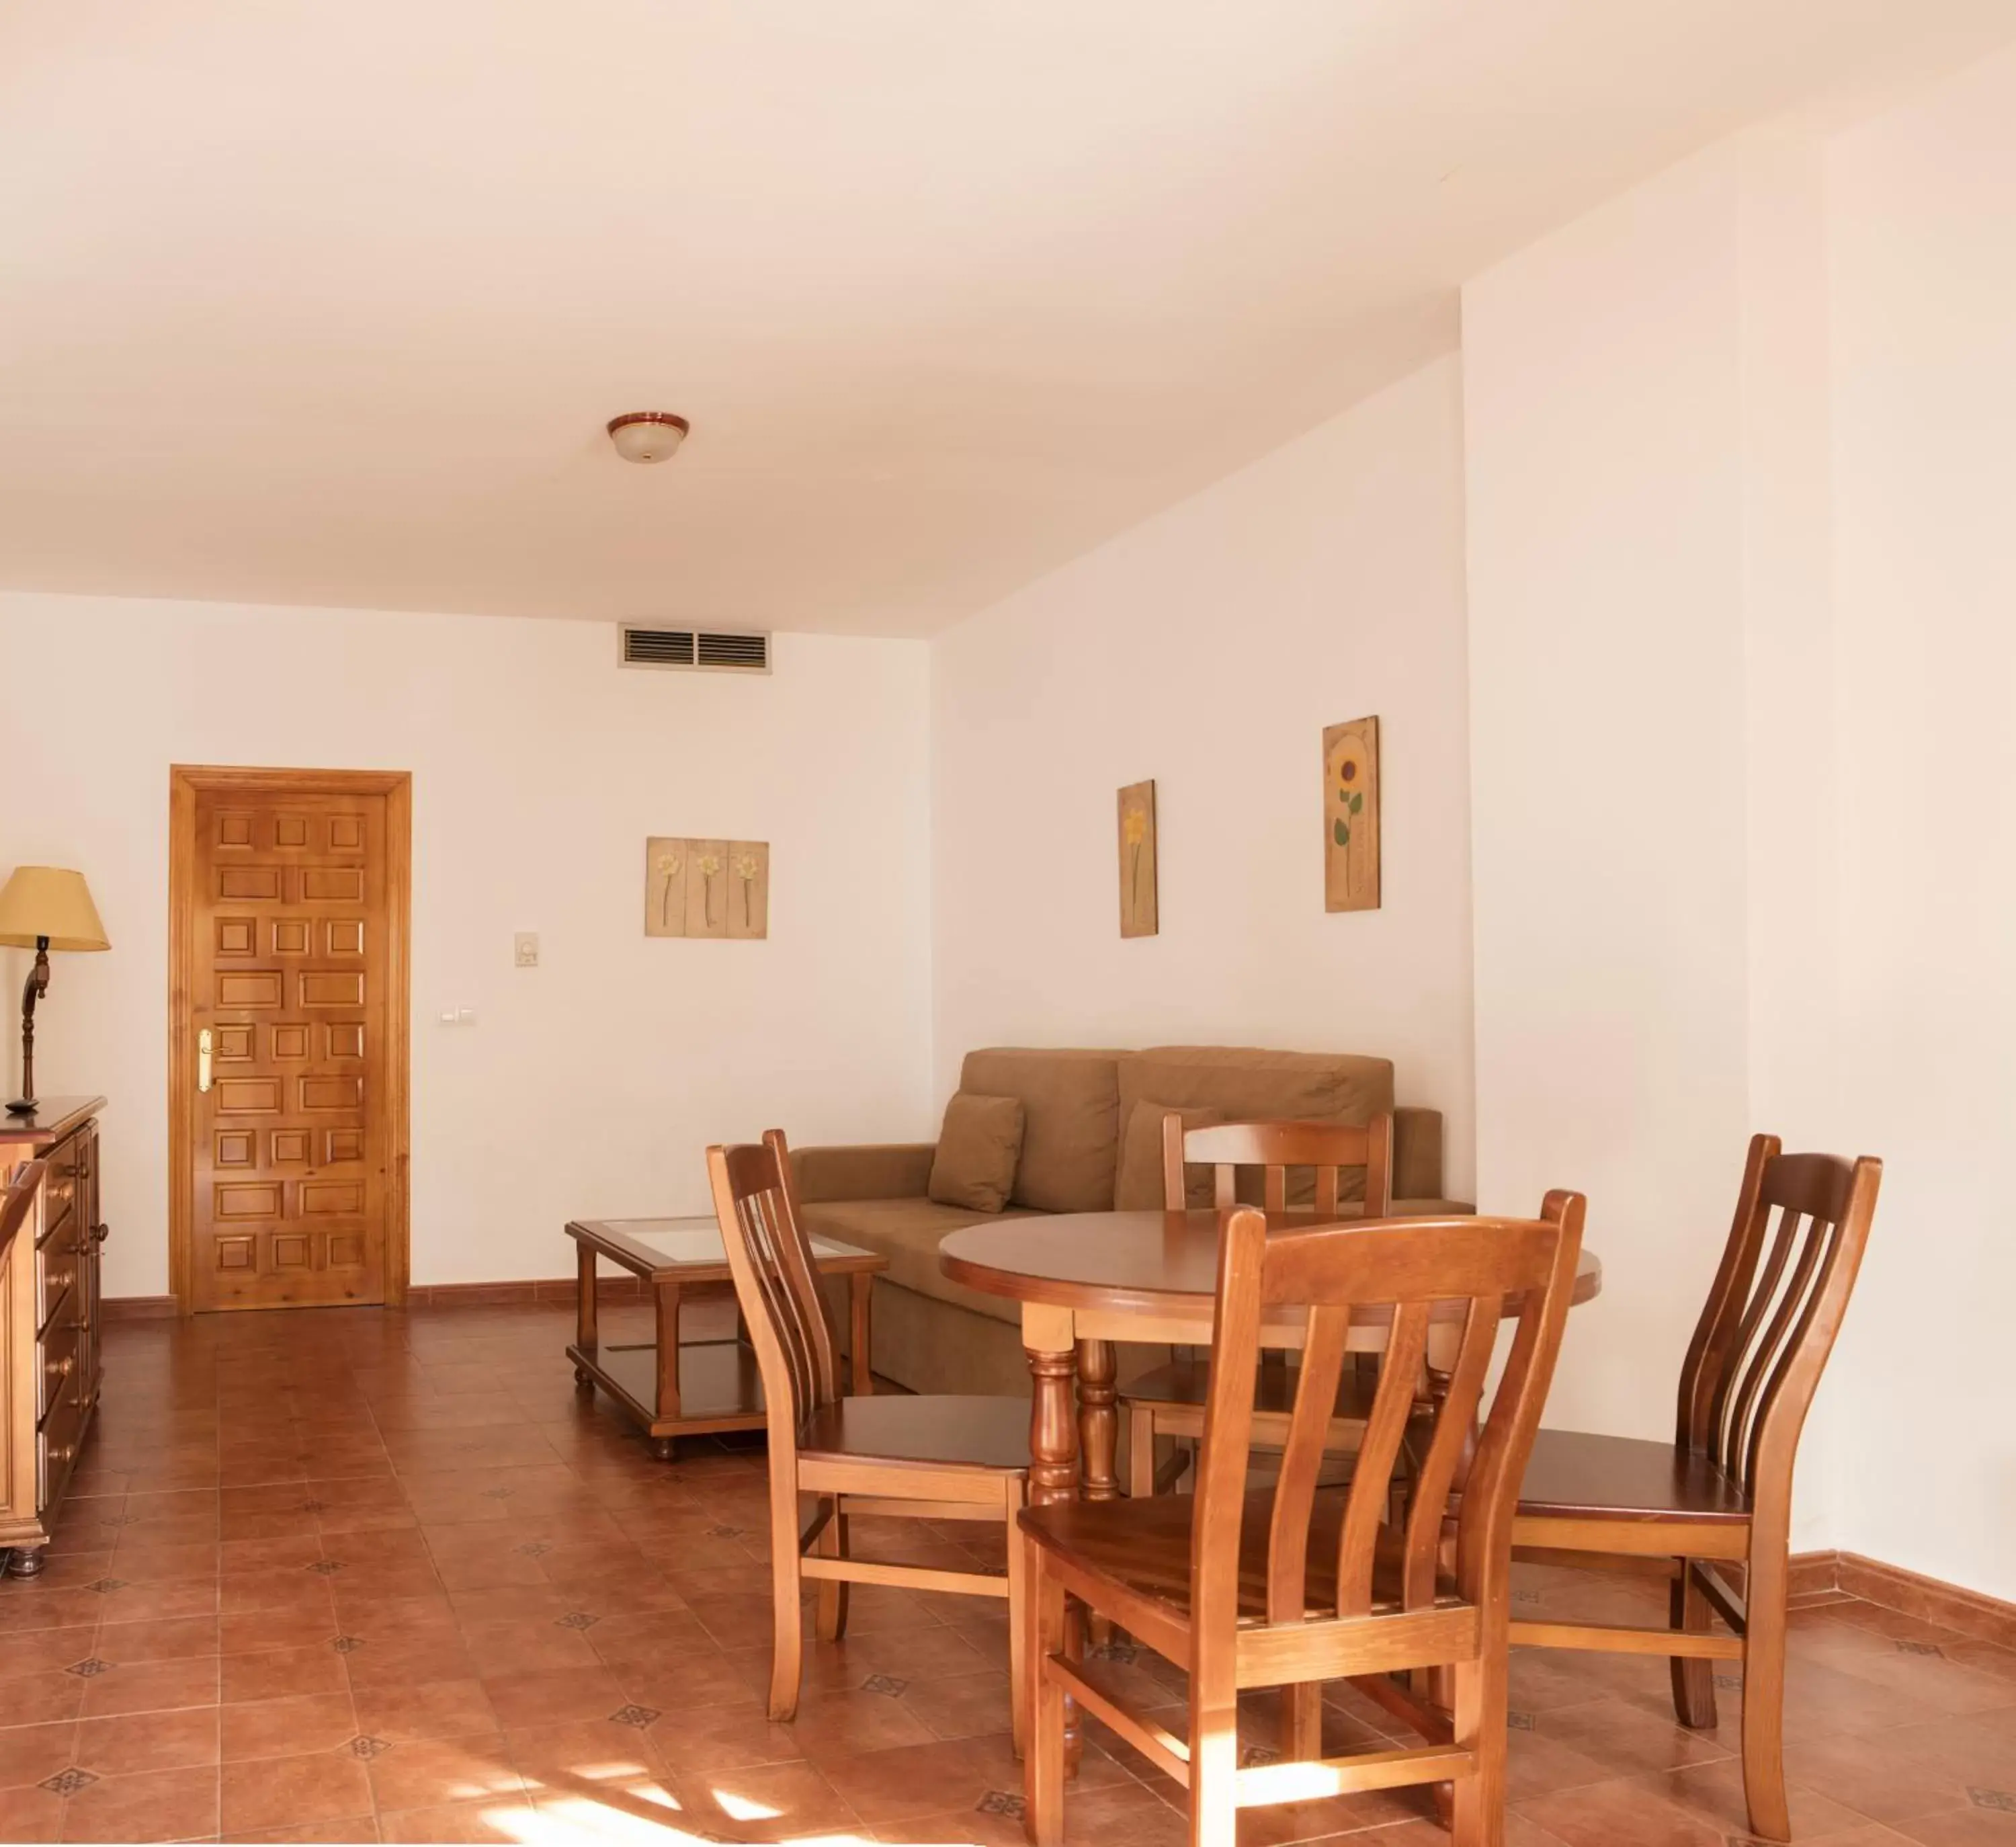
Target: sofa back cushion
x=1070, y=1122
x=1246, y=1084
x=978, y=1147
x=1140, y=1186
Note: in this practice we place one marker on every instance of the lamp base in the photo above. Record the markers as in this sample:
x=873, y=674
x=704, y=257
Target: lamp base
x=22, y=1106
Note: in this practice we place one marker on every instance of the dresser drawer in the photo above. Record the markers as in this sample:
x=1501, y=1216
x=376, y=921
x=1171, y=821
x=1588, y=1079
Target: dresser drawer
x=55, y=1443
x=61, y=1189
x=57, y=1266
x=60, y=1352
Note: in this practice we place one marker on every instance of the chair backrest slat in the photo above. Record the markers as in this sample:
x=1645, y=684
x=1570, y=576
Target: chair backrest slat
x=775, y=1281
x=1366, y=1506
x=1324, y=1349
x=1274, y=1147
x=1437, y=1471
x=1406, y=1273
x=1769, y=1322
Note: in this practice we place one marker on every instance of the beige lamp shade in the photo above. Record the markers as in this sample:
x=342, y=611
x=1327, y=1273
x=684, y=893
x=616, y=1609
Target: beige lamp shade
x=52, y=901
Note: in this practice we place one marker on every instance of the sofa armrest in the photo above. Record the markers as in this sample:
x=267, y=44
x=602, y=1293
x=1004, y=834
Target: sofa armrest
x=1417, y=1153
x=876, y=1170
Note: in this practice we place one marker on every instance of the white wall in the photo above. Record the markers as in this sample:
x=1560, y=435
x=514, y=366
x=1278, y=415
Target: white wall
x=588, y=1085
x=1739, y=577
x=1602, y=373
x=1924, y=380
x=1207, y=648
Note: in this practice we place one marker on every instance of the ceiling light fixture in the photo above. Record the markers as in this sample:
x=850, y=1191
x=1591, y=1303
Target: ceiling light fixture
x=647, y=435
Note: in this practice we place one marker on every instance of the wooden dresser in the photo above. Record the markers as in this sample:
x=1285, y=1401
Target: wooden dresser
x=49, y=1358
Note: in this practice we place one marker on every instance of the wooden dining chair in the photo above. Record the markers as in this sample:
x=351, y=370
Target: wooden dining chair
x=1168, y=1401
x=1294, y=1585
x=920, y=1458
x=1721, y=1493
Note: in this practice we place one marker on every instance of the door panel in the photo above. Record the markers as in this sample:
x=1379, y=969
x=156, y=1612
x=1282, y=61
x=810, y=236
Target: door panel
x=291, y=1147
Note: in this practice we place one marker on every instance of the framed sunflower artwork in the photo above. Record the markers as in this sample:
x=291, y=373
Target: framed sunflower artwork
x=1139, y=915
x=1351, y=815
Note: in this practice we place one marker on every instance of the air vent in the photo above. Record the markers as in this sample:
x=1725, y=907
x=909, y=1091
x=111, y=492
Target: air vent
x=723, y=650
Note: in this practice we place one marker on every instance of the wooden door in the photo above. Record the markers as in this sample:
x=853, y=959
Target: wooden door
x=290, y=927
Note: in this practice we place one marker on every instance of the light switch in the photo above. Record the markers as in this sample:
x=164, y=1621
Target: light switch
x=526, y=944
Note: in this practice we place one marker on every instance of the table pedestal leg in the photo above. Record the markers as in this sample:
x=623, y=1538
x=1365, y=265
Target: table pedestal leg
x=1048, y=1342
x=1098, y=1441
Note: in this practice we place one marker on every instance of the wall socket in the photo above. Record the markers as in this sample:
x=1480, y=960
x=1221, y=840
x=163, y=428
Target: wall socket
x=525, y=948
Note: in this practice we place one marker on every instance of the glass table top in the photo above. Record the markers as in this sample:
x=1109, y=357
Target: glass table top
x=697, y=1241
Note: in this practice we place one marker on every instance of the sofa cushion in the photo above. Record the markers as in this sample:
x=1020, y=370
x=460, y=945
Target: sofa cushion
x=1070, y=1111
x=1139, y=1188
x=908, y=1232
x=1246, y=1084
x=978, y=1146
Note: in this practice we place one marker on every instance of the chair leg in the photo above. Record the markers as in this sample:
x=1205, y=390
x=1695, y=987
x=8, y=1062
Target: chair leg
x=1214, y=1770
x=1140, y=1451
x=787, y=1653
x=1694, y=1679
x=1018, y=1641
x=1043, y=1765
x=832, y=1543
x=1477, y=1804
x=1302, y=1722
x=1764, y=1592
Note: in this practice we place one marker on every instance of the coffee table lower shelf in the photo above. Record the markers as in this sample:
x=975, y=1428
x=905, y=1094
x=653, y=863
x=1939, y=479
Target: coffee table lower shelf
x=719, y=1387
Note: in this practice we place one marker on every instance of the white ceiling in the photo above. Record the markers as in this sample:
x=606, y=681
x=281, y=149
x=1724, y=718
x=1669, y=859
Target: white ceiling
x=316, y=303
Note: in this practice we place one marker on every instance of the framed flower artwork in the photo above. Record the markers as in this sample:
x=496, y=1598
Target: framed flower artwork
x=706, y=888
x=1351, y=815
x=1139, y=915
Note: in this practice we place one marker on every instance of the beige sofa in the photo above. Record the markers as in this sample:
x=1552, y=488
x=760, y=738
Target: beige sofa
x=932, y=1334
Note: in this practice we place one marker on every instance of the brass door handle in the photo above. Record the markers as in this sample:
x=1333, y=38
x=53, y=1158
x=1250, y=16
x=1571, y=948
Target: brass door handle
x=202, y=1059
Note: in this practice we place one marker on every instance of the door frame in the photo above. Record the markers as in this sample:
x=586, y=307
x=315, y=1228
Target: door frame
x=186, y=782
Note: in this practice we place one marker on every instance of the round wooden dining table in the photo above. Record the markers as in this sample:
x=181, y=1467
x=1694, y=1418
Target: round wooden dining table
x=1086, y=1280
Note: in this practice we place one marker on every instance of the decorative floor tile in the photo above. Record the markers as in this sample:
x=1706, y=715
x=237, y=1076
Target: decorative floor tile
x=533, y=1549
x=1001, y=1802
x=102, y=1586
x=2001, y=1801
x=369, y=1747
x=886, y=1683
x=68, y=1782
x=638, y=1717
x=347, y=1644
x=327, y=1567
x=576, y=1619
x=89, y=1670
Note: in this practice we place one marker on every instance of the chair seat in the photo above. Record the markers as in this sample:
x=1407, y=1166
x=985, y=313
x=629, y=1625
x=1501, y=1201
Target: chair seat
x=1144, y=1545
x=1188, y=1382
x=987, y=1433
x=1573, y=1476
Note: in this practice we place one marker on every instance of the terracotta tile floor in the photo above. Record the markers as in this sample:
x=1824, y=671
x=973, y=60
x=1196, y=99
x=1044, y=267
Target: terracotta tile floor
x=357, y=1576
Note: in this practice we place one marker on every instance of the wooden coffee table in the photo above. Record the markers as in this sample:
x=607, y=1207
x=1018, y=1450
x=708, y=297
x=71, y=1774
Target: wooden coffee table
x=675, y=1389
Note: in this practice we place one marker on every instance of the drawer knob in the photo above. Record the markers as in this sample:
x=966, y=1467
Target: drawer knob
x=60, y=1368
x=99, y=1233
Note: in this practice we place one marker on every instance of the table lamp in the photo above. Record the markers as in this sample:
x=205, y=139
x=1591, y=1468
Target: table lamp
x=43, y=908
